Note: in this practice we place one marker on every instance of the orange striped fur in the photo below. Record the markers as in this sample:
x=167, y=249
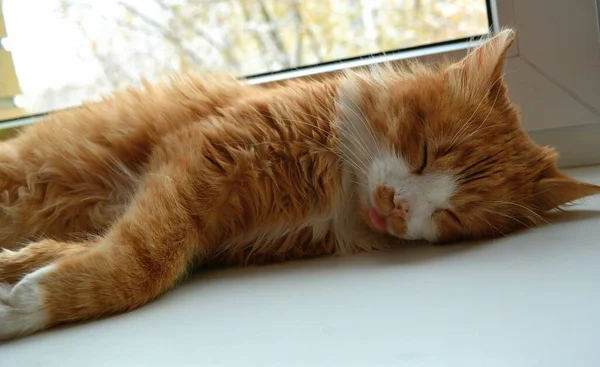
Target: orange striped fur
x=107, y=206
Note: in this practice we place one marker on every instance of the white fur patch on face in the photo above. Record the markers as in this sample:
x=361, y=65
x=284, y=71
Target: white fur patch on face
x=363, y=152
x=21, y=307
x=424, y=193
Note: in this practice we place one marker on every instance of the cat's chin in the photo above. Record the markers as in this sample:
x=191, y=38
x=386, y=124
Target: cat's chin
x=377, y=230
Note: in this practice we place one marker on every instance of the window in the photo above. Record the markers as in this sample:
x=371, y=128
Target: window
x=69, y=50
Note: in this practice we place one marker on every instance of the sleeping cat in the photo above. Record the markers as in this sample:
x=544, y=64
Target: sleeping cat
x=117, y=200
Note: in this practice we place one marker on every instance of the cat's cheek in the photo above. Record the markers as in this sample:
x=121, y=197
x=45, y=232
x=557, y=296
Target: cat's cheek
x=447, y=232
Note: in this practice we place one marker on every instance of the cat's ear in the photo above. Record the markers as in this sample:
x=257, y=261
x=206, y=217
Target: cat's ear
x=554, y=189
x=482, y=68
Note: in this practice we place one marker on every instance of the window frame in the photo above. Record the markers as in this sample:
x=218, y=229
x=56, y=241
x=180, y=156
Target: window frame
x=553, y=74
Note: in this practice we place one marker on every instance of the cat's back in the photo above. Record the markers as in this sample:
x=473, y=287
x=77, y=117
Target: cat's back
x=126, y=125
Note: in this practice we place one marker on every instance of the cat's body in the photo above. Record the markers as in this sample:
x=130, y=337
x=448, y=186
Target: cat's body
x=90, y=165
x=121, y=198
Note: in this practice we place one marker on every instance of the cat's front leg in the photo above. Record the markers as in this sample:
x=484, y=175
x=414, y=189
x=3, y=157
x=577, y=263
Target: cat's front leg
x=14, y=265
x=143, y=255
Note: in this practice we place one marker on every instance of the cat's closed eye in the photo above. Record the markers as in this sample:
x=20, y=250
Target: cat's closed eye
x=424, y=160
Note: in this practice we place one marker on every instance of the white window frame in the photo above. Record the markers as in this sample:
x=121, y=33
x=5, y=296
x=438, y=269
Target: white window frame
x=553, y=73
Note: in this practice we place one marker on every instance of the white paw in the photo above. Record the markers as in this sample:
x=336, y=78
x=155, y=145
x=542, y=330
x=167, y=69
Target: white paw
x=21, y=307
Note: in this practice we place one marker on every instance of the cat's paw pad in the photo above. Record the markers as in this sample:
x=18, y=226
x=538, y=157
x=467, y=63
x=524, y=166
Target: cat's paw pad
x=21, y=306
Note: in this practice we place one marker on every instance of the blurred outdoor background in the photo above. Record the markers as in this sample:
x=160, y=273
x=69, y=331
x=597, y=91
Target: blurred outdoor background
x=67, y=51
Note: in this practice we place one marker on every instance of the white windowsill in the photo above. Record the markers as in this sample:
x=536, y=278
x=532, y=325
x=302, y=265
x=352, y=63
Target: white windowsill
x=528, y=299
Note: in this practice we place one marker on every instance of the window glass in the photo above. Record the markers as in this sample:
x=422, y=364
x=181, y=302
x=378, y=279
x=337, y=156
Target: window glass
x=66, y=51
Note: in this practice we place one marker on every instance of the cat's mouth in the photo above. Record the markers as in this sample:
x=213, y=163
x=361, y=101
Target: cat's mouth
x=378, y=220
x=392, y=223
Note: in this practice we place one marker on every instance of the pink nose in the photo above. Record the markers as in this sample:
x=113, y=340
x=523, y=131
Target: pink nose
x=401, y=206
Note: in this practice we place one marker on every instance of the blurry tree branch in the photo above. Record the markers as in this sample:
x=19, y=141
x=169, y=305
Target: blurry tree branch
x=315, y=43
x=275, y=36
x=108, y=67
x=167, y=35
x=226, y=52
x=417, y=6
x=297, y=13
x=264, y=50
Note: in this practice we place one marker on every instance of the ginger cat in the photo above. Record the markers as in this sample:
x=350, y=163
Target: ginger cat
x=115, y=201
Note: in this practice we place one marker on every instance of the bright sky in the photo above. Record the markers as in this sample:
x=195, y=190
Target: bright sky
x=44, y=47
x=49, y=51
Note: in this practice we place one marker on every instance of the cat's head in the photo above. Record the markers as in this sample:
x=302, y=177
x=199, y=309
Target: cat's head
x=439, y=153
